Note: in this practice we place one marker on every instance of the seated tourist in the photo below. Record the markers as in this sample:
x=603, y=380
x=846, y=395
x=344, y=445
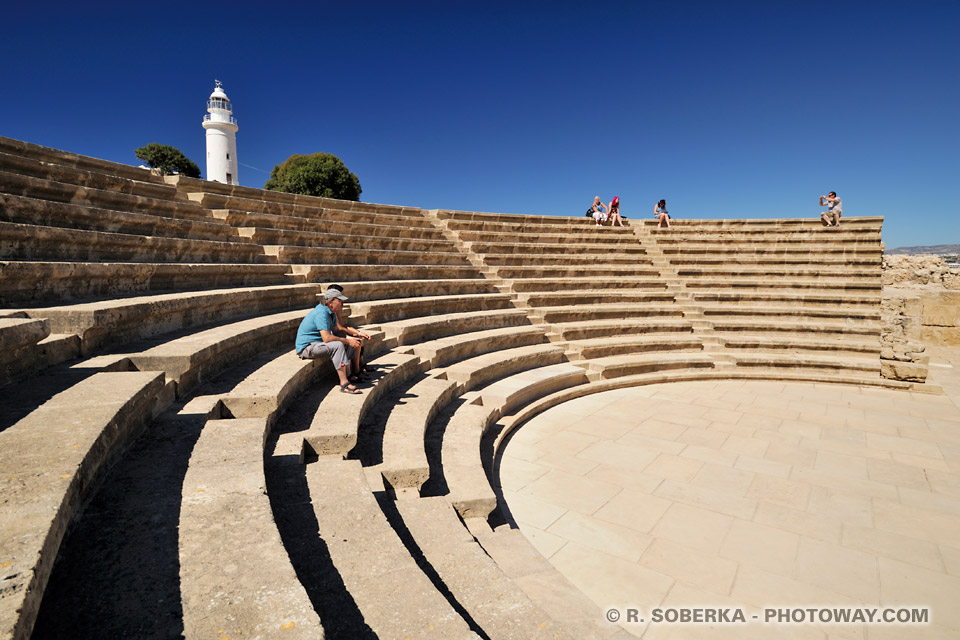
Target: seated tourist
x=599, y=211
x=614, y=212
x=316, y=337
x=660, y=212
x=341, y=332
x=831, y=217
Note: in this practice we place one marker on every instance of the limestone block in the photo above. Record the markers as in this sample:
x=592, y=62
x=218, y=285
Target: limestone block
x=907, y=371
x=941, y=309
x=941, y=336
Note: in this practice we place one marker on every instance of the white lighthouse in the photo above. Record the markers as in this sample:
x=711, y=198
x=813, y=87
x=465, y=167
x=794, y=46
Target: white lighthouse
x=221, y=129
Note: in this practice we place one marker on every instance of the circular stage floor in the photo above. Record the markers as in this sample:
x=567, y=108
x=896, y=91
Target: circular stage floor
x=750, y=496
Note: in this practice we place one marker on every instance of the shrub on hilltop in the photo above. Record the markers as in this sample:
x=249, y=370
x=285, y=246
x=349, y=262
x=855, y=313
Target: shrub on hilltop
x=167, y=159
x=319, y=174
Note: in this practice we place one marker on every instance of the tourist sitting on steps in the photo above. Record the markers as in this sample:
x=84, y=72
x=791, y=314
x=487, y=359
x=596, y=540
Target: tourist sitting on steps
x=599, y=211
x=831, y=217
x=341, y=332
x=316, y=338
x=614, y=211
x=660, y=211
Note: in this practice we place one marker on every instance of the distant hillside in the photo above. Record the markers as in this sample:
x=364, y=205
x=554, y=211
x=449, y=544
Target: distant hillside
x=937, y=250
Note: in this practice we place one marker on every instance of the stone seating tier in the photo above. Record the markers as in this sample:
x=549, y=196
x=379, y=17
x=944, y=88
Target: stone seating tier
x=577, y=271
x=593, y=296
x=40, y=153
x=612, y=328
x=336, y=272
x=570, y=284
x=329, y=220
x=40, y=282
x=650, y=224
x=589, y=349
x=370, y=290
x=52, y=459
x=614, y=260
x=572, y=237
x=302, y=206
x=316, y=239
x=19, y=209
x=322, y=228
x=378, y=311
x=35, y=242
x=67, y=174
x=359, y=255
x=588, y=313
x=41, y=189
x=510, y=245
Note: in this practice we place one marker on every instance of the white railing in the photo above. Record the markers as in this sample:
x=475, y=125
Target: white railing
x=231, y=119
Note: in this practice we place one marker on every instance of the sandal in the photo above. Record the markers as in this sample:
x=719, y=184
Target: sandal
x=359, y=377
x=349, y=388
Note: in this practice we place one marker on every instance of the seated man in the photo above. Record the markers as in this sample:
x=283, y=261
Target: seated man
x=316, y=337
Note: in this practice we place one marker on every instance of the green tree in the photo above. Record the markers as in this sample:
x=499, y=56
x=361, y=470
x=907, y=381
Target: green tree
x=168, y=159
x=320, y=174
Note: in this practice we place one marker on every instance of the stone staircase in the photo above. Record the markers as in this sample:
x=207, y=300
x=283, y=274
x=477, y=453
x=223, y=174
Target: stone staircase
x=149, y=377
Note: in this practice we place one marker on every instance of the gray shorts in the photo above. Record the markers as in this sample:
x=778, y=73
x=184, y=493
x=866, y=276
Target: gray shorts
x=340, y=354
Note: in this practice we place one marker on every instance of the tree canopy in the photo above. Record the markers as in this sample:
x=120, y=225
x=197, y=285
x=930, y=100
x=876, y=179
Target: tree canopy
x=319, y=174
x=168, y=159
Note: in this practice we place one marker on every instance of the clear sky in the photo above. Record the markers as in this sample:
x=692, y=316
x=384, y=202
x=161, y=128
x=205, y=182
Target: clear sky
x=725, y=108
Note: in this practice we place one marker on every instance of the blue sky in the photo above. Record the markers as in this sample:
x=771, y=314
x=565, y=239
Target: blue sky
x=726, y=109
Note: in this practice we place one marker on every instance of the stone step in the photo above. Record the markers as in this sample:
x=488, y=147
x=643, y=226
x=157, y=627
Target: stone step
x=51, y=460
x=469, y=487
x=871, y=222
x=413, y=330
x=405, y=463
x=396, y=289
x=842, y=364
x=336, y=273
x=42, y=282
x=578, y=271
x=497, y=605
x=570, y=285
x=606, y=328
x=824, y=234
x=41, y=189
x=869, y=260
x=66, y=174
x=359, y=255
x=594, y=296
x=508, y=394
x=65, y=158
x=344, y=240
x=813, y=243
x=810, y=251
x=460, y=346
x=195, y=357
x=512, y=259
x=212, y=196
x=393, y=595
x=629, y=344
x=27, y=359
x=535, y=226
x=377, y=311
x=651, y=362
x=778, y=326
x=728, y=296
x=234, y=570
x=485, y=368
x=571, y=246
x=529, y=237
x=781, y=271
x=333, y=221
x=790, y=285
x=847, y=313
x=113, y=322
x=546, y=587
x=587, y=313
x=782, y=344
x=333, y=429
x=35, y=242
x=21, y=331
x=58, y=214
x=520, y=220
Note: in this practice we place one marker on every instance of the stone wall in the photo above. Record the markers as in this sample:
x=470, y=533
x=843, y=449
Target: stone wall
x=922, y=271
x=901, y=349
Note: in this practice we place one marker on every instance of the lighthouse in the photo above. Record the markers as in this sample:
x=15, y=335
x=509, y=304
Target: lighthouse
x=221, y=129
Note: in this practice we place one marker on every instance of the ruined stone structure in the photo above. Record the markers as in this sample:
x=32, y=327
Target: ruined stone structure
x=131, y=300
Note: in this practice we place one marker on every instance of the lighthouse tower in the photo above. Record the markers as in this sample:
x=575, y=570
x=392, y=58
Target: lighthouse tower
x=221, y=129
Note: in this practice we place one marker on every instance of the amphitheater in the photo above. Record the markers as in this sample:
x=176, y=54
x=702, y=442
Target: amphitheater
x=564, y=421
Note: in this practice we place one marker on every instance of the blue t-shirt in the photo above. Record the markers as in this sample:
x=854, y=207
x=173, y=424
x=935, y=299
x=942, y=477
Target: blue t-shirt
x=319, y=319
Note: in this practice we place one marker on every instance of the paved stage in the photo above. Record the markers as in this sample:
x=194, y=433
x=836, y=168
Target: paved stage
x=752, y=495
